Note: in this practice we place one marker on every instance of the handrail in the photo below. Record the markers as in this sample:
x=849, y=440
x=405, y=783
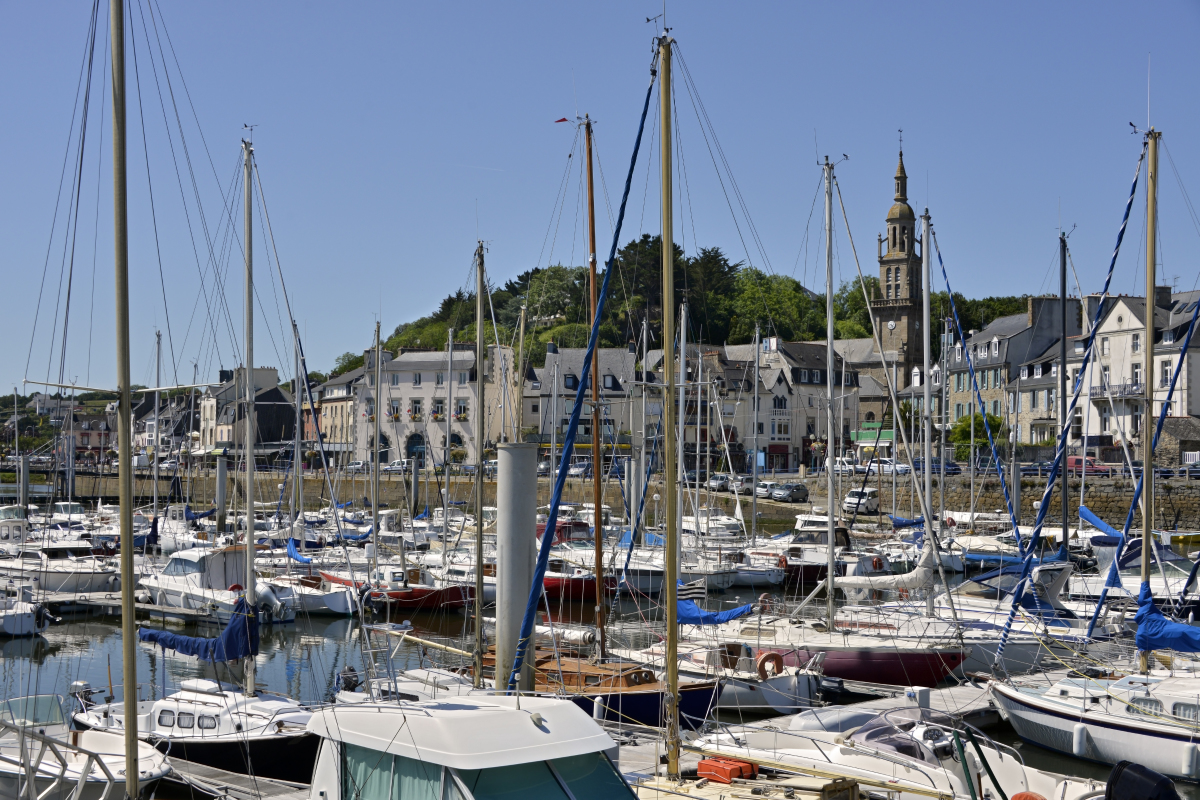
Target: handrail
x=31, y=767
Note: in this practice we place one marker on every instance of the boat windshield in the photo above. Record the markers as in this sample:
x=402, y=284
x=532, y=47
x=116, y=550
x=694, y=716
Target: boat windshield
x=12, y=512
x=41, y=709
x=371, y=775
x=73, y=509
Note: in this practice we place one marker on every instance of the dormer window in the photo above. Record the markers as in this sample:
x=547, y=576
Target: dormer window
x=1079, y=347
x=1037, y=370
x=570, y=381
x=1168, y=337
x=995, y=347
x=1024, y=373
x=611, y=383
x=958, y=352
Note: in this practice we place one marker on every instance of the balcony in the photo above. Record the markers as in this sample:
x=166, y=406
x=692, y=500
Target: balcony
x=1118, y=390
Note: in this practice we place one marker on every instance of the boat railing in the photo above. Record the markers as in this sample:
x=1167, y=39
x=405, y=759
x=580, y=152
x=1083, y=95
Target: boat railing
x=32, y=748
x=821, y=744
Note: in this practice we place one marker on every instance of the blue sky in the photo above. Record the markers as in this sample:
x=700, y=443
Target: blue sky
x=391, y=136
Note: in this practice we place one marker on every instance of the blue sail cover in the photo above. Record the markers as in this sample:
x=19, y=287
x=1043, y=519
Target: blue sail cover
x=238, y=640
x=1156, y=632
x=192, y=515
x=901, y=522
x=294, y=553
x=648, y=539
x=691, y=614
x=357, y=537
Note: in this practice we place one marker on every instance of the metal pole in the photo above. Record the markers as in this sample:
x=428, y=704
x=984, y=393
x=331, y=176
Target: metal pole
x=125, y=407
x=597, y=438
x=251, y=431
x=297, y=461
x=1062, y=373
x=754, y=455
x=378, y=398
x=645, y=387
x=681, y=409
x=516, y=516
x=157, y=437
x=831, y=565
x=446, y=448
x=480, y=349
x=670, y=477
x=1147, y=415
x=554, y=421
x=926, y=411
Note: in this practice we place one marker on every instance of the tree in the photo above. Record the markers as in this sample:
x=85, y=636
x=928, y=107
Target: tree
x=346, y=362
x=960, y=432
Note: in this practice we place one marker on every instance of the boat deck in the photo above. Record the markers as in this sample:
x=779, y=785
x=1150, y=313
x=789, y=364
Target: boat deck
x=219, y=783
x=109, y=604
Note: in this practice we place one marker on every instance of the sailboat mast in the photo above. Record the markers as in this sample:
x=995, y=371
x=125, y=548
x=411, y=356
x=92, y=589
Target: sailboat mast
x=926, y=415
x=754, y=455
x=297, y=462
x=1148, y=413
x=157, y=437
x=480, y=349
x=124, y=411
x=670, y=478
x=830, y=565
x=375, y=448
x=251, y=580
x=597, y=438
x=1062, y=372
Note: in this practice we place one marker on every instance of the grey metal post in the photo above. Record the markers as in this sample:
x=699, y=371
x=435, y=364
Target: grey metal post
x=831, y=565
x=125, y=408
x=480, y=350
x=1062, y=371
x=516, y=516
x=157, y=437
x=251, y=430
x=754, y=455
x=222, y=485
x=24, y=479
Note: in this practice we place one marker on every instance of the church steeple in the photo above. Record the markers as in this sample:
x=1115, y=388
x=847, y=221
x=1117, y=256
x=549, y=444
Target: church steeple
x=901, y=181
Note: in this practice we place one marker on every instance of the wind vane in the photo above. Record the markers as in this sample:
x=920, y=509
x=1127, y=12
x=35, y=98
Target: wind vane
x=901, y=140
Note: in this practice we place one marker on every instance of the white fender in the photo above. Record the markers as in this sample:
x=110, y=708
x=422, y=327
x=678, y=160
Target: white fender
x=1187, y=766
x=1079, y=740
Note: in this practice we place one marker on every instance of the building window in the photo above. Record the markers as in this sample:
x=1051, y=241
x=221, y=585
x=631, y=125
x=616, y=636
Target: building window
x=416, y=379
x=1037, y=370
x=611, y=384
x=760, y=428
x=395, y=378
x=779, y=402
x=1079, y=347
x=1165, y=378
x=570, y=381
x=889, y=292
x=1033, y=400
x=439, y=408
x=1024, y=372
x=370, y=380
x=534, y=408
x=1168, y=337
x=414, y=407
x=439, y=378
x=1077, y=424
x=1074, y=377
x=1104, y=376
x=810, y=401
x=395, y=408
x=1135, y=342
x=958, y=411
x=1049, y=399
x=1054, y=370
x=995, y=347
x=1135, y=426
x=811, y=430
x=1105, y=419
x=1136, y=376
x=804, y=376
x=889, y=274
x=958, y=352
x=463, y=377
x=1103, y=345
x=995, y=408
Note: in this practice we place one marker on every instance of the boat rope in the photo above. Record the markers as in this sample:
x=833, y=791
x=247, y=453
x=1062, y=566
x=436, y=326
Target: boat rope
x=1060, y=450
x=539, y=572
x=1113, y=575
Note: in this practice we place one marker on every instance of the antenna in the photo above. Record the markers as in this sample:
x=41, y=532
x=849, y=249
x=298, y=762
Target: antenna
x=250, y=128
x=901, y=139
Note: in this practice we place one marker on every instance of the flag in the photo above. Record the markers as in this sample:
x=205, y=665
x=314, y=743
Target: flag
x=696, y=590
x=564, y=119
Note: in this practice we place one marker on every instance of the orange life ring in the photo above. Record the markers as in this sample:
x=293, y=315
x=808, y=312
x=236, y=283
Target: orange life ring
x=763, y=659
x=877, y=564
x=236, y=587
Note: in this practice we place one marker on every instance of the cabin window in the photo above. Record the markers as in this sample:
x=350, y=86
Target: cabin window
x=373, y=775
x=186, y=719
x=206, y=723
x=1185, y=711
x=1144, y=705
x=166, y=719
x=182, y=566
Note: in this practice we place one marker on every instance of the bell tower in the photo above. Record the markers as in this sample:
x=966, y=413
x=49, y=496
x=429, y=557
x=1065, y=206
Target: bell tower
x=898, y=306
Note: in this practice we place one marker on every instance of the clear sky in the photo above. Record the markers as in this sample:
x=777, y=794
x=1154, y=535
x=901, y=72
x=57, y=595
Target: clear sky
x=391, y=136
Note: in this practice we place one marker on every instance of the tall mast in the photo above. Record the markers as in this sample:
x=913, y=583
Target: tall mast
x=830, y=564
x=375, y=448
x=124, y=410
x=754, y=455
x=1148, y=415
x=480, y=349
x=597, y=438
x=297, y=461
x=1062, y=371
x=926, y=411
x=157, y=437
x=681, y=409
x=248, y=151
x=670, y=478
x=639, y=522
x=446, y=447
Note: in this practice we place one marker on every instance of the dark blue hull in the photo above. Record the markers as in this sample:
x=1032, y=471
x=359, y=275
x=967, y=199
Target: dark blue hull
x=696, y=702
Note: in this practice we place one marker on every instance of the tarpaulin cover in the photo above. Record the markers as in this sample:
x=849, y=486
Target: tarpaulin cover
x=1106, y=541
x=691, y=614
x=648, y=539
x=152, y=537
x=424, y=514
x=192, y=515
x=901, y=522
x=1156, y=632
x=294, y=552
x=1132, y=555
x=238, y=640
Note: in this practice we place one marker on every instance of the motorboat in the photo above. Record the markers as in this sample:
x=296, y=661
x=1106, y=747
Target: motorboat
x=66, y=566
x=14, y=526
x=408, y=587
x=19, y=615
x=37, y=743
x=210, y=579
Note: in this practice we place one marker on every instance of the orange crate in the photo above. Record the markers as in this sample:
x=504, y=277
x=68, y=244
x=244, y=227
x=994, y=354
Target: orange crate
x=724, y=770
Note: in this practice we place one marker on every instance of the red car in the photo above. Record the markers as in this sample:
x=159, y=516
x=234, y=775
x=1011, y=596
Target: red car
x=1078, y=465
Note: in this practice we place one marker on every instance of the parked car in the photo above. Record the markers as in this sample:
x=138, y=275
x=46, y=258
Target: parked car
x=719, y=482
x=765, y=488
x=741, y=484
x=398, y=467
x=545, y=468
x=791, y=493
x=887, y=466
x=169, y=464
x=844, y=466
x=935, y=466
x=1037, y=469
x=1078, y=465
x=1189, y=471
x=580, y=469
x=1159, y=472
x=695, y=478
x=863, y=501
x=361, y=467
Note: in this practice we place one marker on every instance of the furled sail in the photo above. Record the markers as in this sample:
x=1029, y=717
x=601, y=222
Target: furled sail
x=238, y=640
x=918, y=578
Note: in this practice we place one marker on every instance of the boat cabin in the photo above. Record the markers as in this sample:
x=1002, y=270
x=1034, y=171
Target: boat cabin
x=13, y=525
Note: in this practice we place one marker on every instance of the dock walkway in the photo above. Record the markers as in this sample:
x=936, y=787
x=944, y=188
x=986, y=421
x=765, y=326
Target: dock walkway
x=109, y=604
x=232, y=786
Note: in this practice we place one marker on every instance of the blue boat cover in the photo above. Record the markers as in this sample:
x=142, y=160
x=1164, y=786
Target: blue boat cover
x=357, y=537
x=1156, y=632
x=152, y=537
x=191, y=515
x=238, y=640
x=648, y=539
x=424, y=514
x=294, y=553
x=690, y=613
x=901, y=522
x=1106, y=541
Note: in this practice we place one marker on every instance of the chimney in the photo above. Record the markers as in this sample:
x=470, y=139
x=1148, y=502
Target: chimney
x=551, y=347
x=632, y=348
x=1162, y=296
x=225, y=375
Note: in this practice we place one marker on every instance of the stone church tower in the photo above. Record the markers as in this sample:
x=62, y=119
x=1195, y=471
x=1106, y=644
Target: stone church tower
x=898, y=308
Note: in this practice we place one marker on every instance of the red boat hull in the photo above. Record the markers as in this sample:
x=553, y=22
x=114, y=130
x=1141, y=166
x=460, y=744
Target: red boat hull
x=417, y=597
x=879, y=665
